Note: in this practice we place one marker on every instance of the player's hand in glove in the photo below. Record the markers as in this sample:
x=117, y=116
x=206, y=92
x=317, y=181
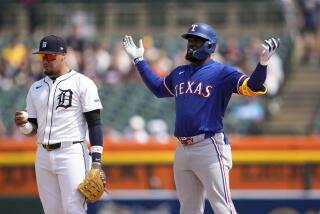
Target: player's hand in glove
x=269, y=48
x=21, y=118
x=132, y=50
x=93, y=185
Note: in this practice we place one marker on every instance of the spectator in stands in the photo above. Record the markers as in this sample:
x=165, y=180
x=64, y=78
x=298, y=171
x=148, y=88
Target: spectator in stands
x=136, y=130
x=309, y=10
x=35, y=69
x=121, y=66
x=275, y=75
x=218, y=56
x=158, y=129
x=290, y=18
x=157, y=57
x=33, y=14
x=250, y=110
x=75, y=39
x=89, y=62
x=232, y=52
x=14, y=55
x=252, y=51
x=2, y=127
x=162, y=63
x=244, y=115
x=73, y=59
x=102, y=59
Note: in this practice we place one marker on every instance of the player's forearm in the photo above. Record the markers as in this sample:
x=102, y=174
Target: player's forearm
x=153, y=82
x=258, y=77
x=96, y=141
x=95, y=134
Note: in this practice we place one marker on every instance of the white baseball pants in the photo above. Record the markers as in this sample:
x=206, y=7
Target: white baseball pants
x=58, y=175
x=204, y=168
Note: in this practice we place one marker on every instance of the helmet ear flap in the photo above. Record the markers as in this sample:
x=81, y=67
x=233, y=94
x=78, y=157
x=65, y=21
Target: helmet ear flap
x=211, y=46
x=205, y=50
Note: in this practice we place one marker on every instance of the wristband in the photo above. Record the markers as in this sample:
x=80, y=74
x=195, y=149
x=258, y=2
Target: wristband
x=264, y=63
x=138, y=59
x=26, y=129
x=96, y=157
x=96, y=149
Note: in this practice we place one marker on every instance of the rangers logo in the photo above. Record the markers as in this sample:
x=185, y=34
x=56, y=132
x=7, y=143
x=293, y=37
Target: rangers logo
x=64, y=98
x=193, y=27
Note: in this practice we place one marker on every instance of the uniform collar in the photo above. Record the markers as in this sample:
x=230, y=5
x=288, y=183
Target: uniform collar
x=62, y=77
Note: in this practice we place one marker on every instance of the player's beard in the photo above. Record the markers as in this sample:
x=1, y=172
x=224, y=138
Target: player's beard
x=50, y=70
x=189, y=56
x=50, y=73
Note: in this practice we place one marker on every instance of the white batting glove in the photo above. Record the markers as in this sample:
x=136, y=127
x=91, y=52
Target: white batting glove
x=269, y=48
x=131, y=49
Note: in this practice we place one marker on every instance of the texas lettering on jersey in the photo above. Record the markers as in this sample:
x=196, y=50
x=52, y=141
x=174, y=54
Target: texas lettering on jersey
x=192, y=87
x=202, y=94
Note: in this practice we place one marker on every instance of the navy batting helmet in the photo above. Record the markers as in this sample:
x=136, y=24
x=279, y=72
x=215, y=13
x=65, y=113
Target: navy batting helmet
x=206, y=32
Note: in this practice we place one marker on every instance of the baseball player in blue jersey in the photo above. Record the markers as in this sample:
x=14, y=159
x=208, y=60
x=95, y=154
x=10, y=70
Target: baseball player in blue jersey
x=202, y=90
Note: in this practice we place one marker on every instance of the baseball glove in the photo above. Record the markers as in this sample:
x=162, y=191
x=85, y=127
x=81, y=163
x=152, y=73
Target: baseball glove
x=93, y=185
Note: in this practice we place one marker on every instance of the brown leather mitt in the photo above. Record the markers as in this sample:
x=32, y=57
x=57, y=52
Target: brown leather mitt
x=93, y=185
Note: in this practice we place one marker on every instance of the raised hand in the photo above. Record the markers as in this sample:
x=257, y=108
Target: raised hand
x=131, y=49
x=269, y=48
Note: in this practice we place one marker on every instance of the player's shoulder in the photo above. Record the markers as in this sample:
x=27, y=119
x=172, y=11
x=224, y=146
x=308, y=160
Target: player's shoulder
x=37, y=84
x=221, y=66
x=84, y=81
x=82, y=77
x=228, y=68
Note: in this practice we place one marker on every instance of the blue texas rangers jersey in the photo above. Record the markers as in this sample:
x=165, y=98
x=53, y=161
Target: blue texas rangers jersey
x=201, y=92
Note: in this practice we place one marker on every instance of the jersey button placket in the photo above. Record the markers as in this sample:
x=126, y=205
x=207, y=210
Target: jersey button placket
x=49, y=114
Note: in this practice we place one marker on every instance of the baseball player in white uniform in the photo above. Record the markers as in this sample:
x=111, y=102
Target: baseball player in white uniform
x=60, y=109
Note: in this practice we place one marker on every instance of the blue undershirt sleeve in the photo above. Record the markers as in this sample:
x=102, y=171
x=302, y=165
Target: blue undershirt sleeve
x=95, y=132
x=257, y=78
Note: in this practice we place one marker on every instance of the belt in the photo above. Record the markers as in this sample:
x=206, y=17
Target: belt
x=195, y=139
x=51, y=147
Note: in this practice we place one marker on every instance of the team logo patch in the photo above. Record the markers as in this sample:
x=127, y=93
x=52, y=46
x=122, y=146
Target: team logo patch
x=193, y=27
x=64, y=98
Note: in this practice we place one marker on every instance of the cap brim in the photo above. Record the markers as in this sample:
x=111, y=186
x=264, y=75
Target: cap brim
x=48, y=52
x=185, y=36
x=199, y=35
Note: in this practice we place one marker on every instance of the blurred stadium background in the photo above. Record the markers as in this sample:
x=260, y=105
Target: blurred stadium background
x=275, y=138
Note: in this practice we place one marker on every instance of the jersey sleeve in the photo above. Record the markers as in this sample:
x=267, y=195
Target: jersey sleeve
x=233, y=79
x=254, y=85
x=167, y=82
x=156, y=85
x=89, y=95
x=30, y=108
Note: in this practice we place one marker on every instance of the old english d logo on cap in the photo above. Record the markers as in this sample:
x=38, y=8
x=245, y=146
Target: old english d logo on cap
x=52, y=45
